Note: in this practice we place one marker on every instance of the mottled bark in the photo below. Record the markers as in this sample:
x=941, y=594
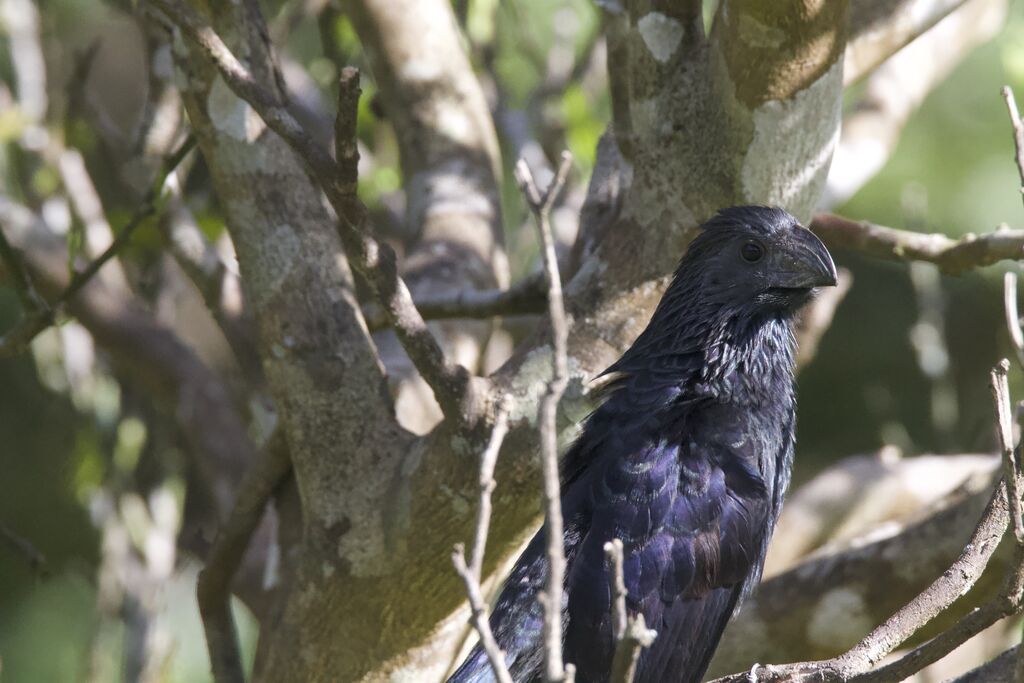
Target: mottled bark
x=452, y=168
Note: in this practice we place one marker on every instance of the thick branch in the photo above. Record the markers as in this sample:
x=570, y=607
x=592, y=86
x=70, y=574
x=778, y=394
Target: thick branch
x=526, y=297
x=376, y=261
x=952, y=256
x=881, y=28
x=214, y=588
x=872, y=127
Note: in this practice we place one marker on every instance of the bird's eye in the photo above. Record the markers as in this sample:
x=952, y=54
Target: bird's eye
x=752, y=252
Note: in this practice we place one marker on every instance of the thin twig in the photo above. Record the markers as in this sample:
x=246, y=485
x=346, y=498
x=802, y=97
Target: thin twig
x=377, y=263
x=540, y=205
x=478, y=615
x=1004, y=428
x=631, y=635
x=1013, y=315
x=472, y=574
x=213, y=590
x=1018, y=133
x=627, y=652
x=487, y=462
x=613, y=553
x=15, y=340
x=952, y=256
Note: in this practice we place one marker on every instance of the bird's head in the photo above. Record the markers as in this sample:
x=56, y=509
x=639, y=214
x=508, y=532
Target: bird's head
x=758, y=256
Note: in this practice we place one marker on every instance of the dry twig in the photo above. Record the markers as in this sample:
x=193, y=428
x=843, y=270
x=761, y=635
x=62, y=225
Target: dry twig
x=471, y=574
x=376, y=261
x=540, y=205
x=631, y=635
x=38, y=319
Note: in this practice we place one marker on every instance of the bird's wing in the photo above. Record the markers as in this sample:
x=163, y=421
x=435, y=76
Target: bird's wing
x=692, y=521
x=692, y=625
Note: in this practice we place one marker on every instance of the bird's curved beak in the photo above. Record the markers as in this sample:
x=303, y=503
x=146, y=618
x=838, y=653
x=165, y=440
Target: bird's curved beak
x=803, y=263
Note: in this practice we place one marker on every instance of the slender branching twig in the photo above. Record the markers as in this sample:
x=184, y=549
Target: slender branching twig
x=631, y=635
x=540, y=206
x=375, y=261
x=41, y=317
x=473, y=573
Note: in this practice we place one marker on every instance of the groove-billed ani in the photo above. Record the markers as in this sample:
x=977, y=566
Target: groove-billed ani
x=686, y=460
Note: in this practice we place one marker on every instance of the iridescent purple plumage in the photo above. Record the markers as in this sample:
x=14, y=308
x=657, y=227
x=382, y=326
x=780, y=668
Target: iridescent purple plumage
x=686, y=460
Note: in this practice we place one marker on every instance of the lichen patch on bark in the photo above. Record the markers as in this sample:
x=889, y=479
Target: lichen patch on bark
x=661, y=34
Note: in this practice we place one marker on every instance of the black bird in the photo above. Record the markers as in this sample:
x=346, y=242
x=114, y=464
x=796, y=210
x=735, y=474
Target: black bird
x=686, y=460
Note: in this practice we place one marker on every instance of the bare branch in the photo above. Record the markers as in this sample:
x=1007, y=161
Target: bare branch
x=540, y=205
x=872, y=127
x=631, y=635
x=479, y=615
x=376, y=261
x=1004, y=428
x=999, y=670
x=526, y=297
x=1018, y=131
x=214, y=587
x=1012, y=312
x=487, y=462
x=953, y=583
x=217, y=283
x=880, y=28
x=472, y=574
x=613, y=552
x=627, y=654
x=952, y=256
x=38, y=320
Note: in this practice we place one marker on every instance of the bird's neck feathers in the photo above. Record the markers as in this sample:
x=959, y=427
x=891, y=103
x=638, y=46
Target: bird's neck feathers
x=708, y=347
x=748, y=356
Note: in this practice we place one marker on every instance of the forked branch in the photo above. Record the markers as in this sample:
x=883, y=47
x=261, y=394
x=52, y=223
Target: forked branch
x=540, y=206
